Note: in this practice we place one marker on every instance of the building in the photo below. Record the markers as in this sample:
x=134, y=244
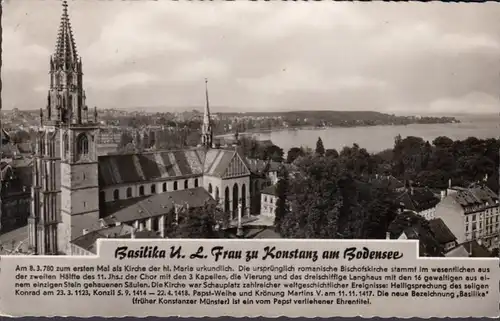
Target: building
x=15, y=195
x=76, y=191
x=87, y=243
x=470, y=249
x=419, y=200
x=471, y=213
x=269, y=200
x=442, y=234
x=428, y=244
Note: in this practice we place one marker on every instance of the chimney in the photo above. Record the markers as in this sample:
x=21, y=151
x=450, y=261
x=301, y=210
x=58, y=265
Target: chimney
x=443, y=195
x=387, y=235
x=449, y=183
x=85, y=231
x=132, y=234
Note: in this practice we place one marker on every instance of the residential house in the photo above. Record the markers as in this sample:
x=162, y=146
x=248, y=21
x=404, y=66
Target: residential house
x=471, y=213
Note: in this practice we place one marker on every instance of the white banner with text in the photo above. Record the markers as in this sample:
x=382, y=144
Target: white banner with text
x=241, y=278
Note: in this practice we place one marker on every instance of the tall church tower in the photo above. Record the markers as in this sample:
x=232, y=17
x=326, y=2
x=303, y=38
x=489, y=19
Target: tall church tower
x=206, y=129
x=65, y=193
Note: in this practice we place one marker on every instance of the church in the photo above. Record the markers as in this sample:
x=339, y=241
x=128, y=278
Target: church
x=77, y=193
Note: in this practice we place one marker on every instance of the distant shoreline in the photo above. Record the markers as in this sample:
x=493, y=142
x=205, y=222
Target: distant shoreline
x=266, y=131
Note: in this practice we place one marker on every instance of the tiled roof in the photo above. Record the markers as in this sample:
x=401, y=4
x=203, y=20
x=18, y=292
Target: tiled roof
x=388, y=181
x=475, y=195
x=154, y=205
x=150, y=166
x=123, y=231
x=475, y=249
x=441, y=231
x=428, y=244
x=418, y=199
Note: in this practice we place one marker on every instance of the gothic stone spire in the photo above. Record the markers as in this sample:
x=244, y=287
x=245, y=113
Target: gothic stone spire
x=65, y=54
x=206, y=131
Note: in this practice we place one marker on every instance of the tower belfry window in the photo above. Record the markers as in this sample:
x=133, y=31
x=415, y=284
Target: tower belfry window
x=83, y=145
x=65, y=143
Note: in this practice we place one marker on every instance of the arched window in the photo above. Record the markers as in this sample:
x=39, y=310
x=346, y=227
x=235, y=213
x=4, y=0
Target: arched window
x=65, y=144
x=41, y=144
x=175, y=185
x=82, y=145
x=217, y=197
x=129, y=192
x=195, y=182
x=164, y=187
x=141, y=190
x=186, y=184
x=116, y=194
x=51, y=146
x=210, y=188
x=153, y=189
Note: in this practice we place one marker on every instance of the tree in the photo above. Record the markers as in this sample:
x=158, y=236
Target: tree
x=320, y=149
x=282, y=209
x=293, y=154
x=332, y=153
x=201, y=222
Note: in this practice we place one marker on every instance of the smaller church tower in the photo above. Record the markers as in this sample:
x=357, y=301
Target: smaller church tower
x=206, y=129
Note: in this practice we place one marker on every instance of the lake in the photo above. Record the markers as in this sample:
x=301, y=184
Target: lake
x=378, y=138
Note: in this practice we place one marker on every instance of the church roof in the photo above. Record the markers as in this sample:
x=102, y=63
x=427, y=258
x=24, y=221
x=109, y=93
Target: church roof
x=129, y=210
x=165, y=165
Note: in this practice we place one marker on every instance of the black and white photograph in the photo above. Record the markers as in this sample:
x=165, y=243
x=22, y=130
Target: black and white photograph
x=249, y=120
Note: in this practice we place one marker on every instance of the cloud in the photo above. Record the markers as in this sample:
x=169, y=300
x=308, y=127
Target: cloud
x=132, y=35
x=120, y=81
x=477, y=102
x=267, y=55
x=19, y=54
x=422, y=37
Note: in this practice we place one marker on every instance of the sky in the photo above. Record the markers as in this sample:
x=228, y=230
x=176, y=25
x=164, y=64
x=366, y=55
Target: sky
x=403, y=58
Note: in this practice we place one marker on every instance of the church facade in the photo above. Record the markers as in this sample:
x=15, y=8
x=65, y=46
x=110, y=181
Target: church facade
x=75, y=191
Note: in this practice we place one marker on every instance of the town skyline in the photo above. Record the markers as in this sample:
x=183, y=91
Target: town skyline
x=281, y=62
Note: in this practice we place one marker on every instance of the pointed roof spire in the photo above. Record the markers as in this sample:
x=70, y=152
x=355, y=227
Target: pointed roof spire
x=207, y=105
x=65, y=51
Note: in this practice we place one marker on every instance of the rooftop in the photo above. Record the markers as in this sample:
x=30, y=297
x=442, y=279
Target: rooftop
x=123, y=231
x=441, y=231
x=128, y=210
x=155, y=165
x=478, y=195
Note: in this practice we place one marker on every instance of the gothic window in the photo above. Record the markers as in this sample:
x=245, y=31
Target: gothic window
x=210, y=188
x=216, y=193
x=164, y=187
x=175, y=185
x=82, y=145
x=65, y=143
x=153, y=189
x=116, y=194
x=41, y=144
x=129, y=192
x=186, y=184
x=141, y=190
x=196, y=182
x=51, y=146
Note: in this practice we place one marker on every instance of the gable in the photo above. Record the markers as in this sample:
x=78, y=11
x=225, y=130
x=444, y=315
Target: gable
x=236, y=167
